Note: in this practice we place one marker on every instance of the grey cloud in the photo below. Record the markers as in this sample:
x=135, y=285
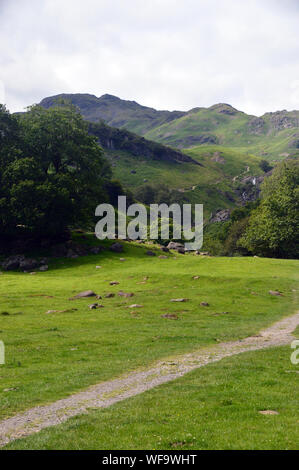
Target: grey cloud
x=163, y=53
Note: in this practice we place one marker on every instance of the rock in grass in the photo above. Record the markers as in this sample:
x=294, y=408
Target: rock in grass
x=114, y=283
x=171, y=316
x=204, y=304
x=275, y=292
x=109, y=295
x=116, y=247
x=150, y=253
x=122, y=259
x=81, y=295
x=44, y=268
x=179, y=300
x=163, y=257
x=94, y=306
x=268, y=412
x=125, y=294
x=68, y=310
x=195, y=277
x=135, y=306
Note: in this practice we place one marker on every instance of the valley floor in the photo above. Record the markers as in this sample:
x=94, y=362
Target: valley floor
x=53, y=356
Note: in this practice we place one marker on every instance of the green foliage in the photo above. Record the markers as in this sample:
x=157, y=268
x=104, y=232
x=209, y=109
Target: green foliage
x=265, y=166
x=231, y=245
x=52, y=172
x=157, y=194
x=274, y=226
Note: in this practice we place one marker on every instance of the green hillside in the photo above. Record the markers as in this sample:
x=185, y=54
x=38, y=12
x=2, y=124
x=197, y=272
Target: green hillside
x=274, y=136
x=212, y=184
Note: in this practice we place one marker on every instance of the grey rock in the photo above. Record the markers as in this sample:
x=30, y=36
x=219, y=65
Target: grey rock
x=81, y=295
x=116, y=247
x=44, y=268
x=150, y=253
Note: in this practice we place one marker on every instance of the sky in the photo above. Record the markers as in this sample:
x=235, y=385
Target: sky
x=166, y=54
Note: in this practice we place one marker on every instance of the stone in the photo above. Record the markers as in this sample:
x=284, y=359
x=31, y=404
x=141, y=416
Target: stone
x=13, y=262
x=171, y=316
x=135, y=306
x=179, y=300
x=98, y=267
x=269, y=412
x=116, y=247
x=114, y=283
x=109, y=295
x=221, y=215
x=126, y=294
x=195, y=277
x=95, y=250
x=204, y=304
x=82, y=295
x=122, y=259
x=163, y=257
x=175, y=246
x=44, y=268
x=98, y=297
x=275, y=292
x=165, y=249
x=150, y=253
x=93, y=306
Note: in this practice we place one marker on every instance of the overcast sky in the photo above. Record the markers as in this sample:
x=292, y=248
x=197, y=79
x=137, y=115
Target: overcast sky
x=167, y=54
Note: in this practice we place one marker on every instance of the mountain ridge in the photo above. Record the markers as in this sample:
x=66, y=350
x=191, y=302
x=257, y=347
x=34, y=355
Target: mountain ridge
x=273, y=136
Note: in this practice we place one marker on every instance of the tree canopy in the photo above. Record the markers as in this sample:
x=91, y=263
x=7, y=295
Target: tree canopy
x=273, y=228
x=52, y=172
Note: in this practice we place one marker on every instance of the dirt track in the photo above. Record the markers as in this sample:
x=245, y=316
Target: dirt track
x=107, y=393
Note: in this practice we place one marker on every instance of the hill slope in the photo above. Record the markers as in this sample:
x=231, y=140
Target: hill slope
x=272, y=136
x=116, y=112
x=112, y=139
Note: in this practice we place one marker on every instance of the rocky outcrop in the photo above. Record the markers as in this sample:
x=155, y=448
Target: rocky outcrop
x=222, y=215
x=123, y=140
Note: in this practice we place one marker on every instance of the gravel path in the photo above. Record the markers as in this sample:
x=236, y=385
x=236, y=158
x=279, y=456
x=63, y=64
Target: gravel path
x=107, y=393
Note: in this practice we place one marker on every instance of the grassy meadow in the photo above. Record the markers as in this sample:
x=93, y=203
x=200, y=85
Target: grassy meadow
x=215, y=407
x=51, y=355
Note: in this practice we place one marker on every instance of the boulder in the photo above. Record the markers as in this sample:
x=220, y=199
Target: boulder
x=126, y=294
x=81, y=295
x=179, y=300
x=175, y=246
x=13, y=262
x=221, y=216
x=150, y=253
x=45, y=267
x=172, y=316
x=28, y=264
x=275, y=292
x=116, y=247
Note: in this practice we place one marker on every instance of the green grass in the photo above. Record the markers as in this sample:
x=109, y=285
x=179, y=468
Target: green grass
x=230, y=131
x=215, y=407
x=207, y=184
x=49, y=356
